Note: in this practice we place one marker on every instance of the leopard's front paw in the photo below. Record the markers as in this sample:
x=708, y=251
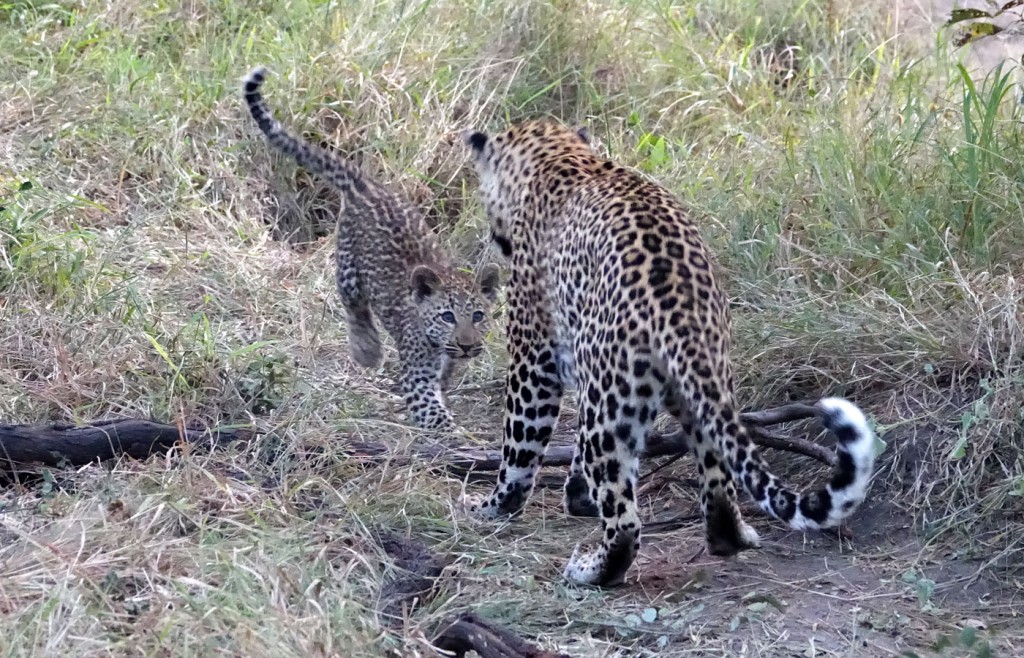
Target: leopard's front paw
x=601, y=566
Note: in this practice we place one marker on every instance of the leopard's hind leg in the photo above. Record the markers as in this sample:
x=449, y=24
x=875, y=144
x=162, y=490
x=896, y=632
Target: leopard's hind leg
x=612, y=429
x=725, y=530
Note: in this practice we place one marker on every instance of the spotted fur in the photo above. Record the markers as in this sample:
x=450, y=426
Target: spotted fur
x=612, y=288
x=391, y=265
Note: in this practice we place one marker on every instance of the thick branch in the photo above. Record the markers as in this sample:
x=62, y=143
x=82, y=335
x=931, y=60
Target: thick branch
x=767, y=439
x=756, y=420
x=670, y=443
x=471, y=633
x=51, y=445
x=76, y=445
x=783, y=414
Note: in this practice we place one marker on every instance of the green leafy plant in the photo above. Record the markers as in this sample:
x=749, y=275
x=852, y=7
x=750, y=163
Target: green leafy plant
x=978, y=21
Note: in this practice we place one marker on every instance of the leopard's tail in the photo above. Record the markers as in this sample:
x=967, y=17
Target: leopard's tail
x=719, y=434
x=342, y=175
x=827, y=505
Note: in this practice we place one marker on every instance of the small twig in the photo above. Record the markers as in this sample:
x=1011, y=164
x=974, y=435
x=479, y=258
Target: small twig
x=674, y=523
x=663, y=465
x=493, y=385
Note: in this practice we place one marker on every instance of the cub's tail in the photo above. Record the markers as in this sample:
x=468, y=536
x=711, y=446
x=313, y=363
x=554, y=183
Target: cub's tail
x=339, y=173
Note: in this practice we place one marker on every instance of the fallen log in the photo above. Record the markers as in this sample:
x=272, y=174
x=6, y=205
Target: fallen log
x=414, y=581
x=53, y=445
x=414, y=584
x=471, y=633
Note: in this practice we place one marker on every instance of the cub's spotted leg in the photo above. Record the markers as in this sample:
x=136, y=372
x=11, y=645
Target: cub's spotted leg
x=613, y=427
x=452, y=368
x=533, y=394
x=421, y=373
x=363, y=336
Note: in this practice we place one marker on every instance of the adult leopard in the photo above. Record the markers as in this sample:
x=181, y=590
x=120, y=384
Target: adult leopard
x=611, y=291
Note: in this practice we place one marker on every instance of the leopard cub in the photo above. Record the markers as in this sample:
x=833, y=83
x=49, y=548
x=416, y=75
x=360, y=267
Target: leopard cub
x=390, y=264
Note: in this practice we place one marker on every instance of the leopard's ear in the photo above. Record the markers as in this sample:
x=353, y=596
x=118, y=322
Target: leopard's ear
x=584, y=134
x=475, y=140
x=489, y=281
x=425, y=282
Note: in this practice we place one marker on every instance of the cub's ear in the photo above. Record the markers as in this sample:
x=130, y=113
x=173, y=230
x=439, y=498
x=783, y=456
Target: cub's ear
x=489, y=281
x=474, y=139
x=584, y=134
x=425, y=282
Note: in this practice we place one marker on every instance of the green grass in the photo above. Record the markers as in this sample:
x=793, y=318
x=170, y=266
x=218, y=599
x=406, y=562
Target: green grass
x=157, y=260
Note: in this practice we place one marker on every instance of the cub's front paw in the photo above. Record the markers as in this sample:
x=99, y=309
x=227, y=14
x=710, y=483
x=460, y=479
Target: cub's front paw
x=479, y=507
x=589, y=566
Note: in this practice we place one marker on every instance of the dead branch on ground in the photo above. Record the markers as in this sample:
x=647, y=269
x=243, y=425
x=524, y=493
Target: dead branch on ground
x=471, y=633
x=53, y=445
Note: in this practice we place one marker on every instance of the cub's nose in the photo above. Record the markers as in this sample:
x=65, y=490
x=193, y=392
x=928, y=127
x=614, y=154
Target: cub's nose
x=466, y=349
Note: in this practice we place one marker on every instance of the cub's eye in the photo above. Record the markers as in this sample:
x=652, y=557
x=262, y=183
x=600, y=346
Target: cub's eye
x=478, y=317
x=448, y=317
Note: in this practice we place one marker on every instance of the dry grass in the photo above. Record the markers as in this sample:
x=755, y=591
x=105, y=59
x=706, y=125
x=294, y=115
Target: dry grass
x=865, y=206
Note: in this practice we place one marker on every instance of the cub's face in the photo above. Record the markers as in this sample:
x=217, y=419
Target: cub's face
x=455, y=314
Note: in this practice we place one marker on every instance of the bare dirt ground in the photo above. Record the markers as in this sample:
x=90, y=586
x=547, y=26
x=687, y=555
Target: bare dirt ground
x=877, y=588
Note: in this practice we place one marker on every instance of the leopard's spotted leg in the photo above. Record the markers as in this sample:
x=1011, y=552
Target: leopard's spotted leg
x=533, y=395
x=724, y=528
x=576, y=498
x=363, y=337
x=613, y=427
